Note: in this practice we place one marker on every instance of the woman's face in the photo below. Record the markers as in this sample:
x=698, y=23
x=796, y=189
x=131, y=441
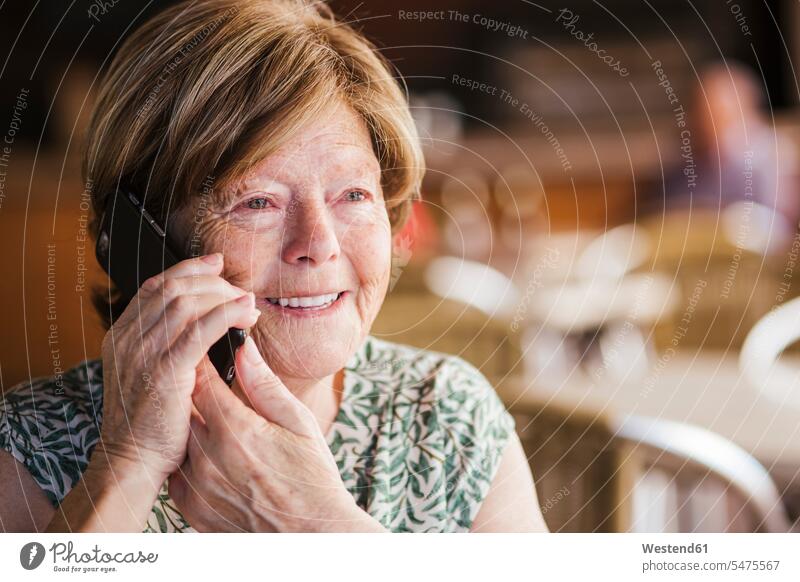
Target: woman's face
x=307, y=231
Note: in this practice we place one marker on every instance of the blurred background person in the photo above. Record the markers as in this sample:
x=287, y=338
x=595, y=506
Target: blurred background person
x=734, y=155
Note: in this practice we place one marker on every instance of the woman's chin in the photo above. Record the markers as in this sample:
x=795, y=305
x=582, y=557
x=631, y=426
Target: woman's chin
x=313, y=368
x=309, y=345
x=312, y=356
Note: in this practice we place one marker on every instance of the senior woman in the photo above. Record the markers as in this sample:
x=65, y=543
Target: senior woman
x=277, y=147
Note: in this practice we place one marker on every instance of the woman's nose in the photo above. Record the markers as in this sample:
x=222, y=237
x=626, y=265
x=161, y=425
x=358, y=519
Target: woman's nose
x=310, y=235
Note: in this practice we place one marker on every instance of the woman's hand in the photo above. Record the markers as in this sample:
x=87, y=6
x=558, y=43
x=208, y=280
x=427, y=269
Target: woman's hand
x=266, y=468
x=150, y=357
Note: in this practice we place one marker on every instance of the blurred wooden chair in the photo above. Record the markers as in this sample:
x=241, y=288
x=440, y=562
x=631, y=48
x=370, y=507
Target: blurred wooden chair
x=595, y=473
x=415, y=316
x=574, y=465
x=431, y=323
x=739, y=284
x=675, y=477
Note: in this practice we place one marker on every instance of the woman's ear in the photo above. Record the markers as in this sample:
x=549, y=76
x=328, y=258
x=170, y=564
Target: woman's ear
x=402, y=250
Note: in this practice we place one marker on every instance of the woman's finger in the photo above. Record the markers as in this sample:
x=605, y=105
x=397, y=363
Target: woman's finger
x=204, y=265
x=215, y=401
x=178, y=487
x=180, y=293
x=269, y=396
x=182, y=479
x=198, y=336
x=198, y=438
x=182, y=311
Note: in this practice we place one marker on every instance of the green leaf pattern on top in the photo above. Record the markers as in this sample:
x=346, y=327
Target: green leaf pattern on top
x=418, y=437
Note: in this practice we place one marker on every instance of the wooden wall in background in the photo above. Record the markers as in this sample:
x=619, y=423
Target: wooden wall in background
x=47, y=317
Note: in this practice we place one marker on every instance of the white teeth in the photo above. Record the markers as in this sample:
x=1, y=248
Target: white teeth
x=316, y=301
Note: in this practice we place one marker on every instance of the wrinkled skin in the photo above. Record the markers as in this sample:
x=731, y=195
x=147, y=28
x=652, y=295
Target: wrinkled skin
x=297, y=225
x=310, y=220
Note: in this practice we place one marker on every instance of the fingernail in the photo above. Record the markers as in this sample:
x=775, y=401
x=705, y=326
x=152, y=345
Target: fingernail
x=251, y=354
x=245, y=299
x=212, y=259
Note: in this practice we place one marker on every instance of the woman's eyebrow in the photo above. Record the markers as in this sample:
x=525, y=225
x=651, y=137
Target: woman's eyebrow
x=253, y=184
x=227, y=196
x=359, y=161
x=366, y=163
x=367, y=152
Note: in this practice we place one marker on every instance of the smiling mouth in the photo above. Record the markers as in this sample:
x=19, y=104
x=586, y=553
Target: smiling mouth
x=311, y=303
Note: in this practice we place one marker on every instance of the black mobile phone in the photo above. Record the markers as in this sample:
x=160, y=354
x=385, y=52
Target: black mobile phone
x=132, y=247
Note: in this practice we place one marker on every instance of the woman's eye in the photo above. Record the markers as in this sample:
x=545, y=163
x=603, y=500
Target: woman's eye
x=257, y=204
x=355, y=196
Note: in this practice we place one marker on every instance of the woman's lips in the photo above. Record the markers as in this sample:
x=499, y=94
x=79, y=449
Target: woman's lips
x=311, y=305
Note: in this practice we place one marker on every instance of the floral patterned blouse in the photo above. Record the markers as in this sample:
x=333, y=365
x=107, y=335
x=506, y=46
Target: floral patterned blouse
x=418, y=437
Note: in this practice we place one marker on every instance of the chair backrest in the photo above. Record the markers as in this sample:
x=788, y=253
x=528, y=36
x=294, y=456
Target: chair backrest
x=574, y=466
x=433, y=323
x=739, y=285
x=684, y=478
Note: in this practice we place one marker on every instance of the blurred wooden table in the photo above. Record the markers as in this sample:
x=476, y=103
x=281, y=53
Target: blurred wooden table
x=704, y=389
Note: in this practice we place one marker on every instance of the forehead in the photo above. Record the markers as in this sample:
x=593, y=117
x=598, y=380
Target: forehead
x=338, y=125
x=335, y=143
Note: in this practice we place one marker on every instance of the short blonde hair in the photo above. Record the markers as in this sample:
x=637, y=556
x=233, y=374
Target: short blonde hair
x=211, y=87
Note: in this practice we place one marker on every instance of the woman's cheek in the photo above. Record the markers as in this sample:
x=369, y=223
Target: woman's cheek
x=246, y=251
x=367, y=244
x=368, y=248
